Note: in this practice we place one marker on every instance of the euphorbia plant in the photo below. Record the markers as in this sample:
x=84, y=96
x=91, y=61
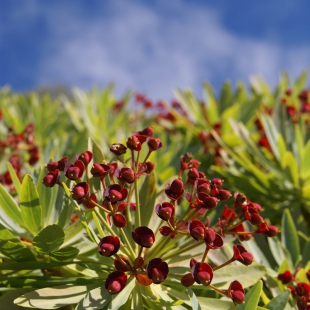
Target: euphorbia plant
x=146, y=242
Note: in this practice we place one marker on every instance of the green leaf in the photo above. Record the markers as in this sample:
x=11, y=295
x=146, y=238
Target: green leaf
x=15, y=250
x=279, y=302
x=289, y=235
x=8, y=205
x=47, y=196
x=306, y=253
x=14, y=178
x=215, y=303
x=30, y=207
x=289, y=164
x=246, y=275
x=305, y=162
x=5, y=234
x=277, y=250
x=49, y=239
x=6, y=300
x=95, y=299
x=252, y=297
x=122, y=297
x=66, y=254
x=54, y=297
x=98, y=156
x=194, y=300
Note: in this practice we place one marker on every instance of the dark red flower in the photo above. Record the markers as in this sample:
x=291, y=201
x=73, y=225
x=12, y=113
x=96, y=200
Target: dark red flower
x=100, y=170
x=115, y=193
x=236, y=292
x=75, y=171
x=228, y=213
x=202, y=273
x=118, y=149
x=119, y=220
x=52, y=166
x=175, y=190
x=187, y=280
x=143, y=236
x=197, y=229
x=285, y=277
x=303, y=289
x=223, y=194
x=126, y=175
x=192, y=175
x=242, y=255
x=205, y=201
x=165, y=210
x=80, y=191
x=108, y=246
x=269, y=231
x=154, y=144
x=51, y=178
x=203, y=186
x=115, y=282
x=217, y=241
x=252, y=215
x=133, y=143
x=166, y=231
x=86, y=157
x=157, y=270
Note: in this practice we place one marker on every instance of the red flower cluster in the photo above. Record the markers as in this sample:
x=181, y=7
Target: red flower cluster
x=20, y=148
x=300, y=290
x=141, y=257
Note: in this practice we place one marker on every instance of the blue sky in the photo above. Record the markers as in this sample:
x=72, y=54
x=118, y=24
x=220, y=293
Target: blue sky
x=151, y=46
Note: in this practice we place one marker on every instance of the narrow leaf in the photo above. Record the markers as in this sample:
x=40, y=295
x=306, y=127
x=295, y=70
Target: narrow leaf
x=289, y=235
x=30, y=205
x=14, y=178
x=279, y=302
x=64, y=255
x=194, y=300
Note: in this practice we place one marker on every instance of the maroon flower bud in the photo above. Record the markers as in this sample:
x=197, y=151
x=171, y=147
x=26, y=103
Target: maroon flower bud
x=157, y=270
x=210, y=236
x=115, y=282
x=228, y=213
x=154, y=144
x=75, y=171
x=242, y=255
x=203, y=186
x=125, y=175
x=119, y=220
x=197, y=229
x=217, y=181
x=113, y=167
x=91, y=201
x=223, y=194
x=80, y=191
x=133, y=143
x=166, y=231
x=236, y=292
x=51, y=178
x=33, y=159
x=108, y=246
x=302, y=303
x=100, y=170
x=143, y=236
x=187, y=280
x=115, y=193
x=252, y=215
x=118, y=149
x=148, y=131
x=269, y=231
x=150, y=166
x=285, y=277
x=192, y=175
x=192, y=262
x=205, y=201
x=202, y=273
x=86, y=157
x=217, y=242
x=165, y=210
x=52, y=166
x=175, y=190
x=62, y=163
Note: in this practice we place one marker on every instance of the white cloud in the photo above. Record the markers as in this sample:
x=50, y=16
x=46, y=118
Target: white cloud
x=140, y=47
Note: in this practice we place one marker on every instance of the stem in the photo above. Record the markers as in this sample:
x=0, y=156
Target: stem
x=137, y=215
x=235, y=225
x=205, y=254
x=133, y=255
x=217, y=289
x=225, y=264
x=138, y=257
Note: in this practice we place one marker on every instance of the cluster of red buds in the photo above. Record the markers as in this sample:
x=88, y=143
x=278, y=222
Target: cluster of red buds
x=143, y=258
x=300, y=291
x=15, y=146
